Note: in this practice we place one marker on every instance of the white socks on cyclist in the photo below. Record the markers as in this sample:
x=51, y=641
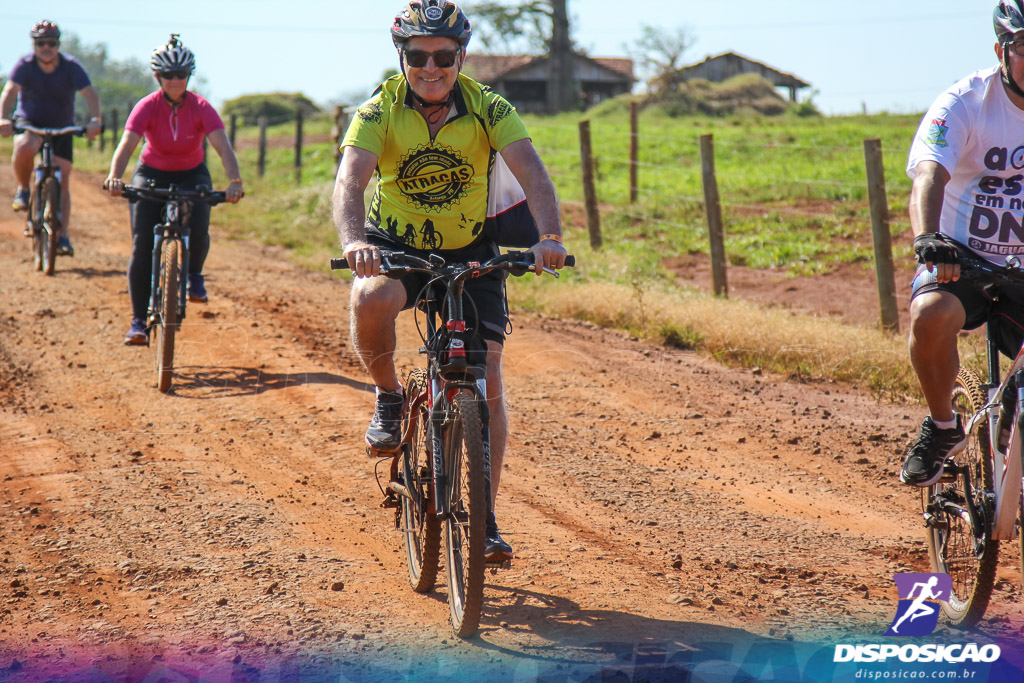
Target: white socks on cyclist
x=951, y=424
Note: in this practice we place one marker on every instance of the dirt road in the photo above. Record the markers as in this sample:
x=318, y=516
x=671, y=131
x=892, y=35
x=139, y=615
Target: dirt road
x=652, y=496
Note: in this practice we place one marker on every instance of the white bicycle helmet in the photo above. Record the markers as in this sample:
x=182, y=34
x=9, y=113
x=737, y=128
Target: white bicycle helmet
x=173, y=56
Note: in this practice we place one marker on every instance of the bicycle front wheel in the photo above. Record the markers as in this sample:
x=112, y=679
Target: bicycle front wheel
x=34, y=223
x=51, y=225
x=466, y=526
x=955, y=547
x=421, y=528
x=167, y=323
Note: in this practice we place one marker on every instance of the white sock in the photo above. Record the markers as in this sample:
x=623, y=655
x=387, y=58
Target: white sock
x=951, y=424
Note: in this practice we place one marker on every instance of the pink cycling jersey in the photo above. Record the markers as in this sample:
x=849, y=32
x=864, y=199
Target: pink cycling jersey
x=174, y=136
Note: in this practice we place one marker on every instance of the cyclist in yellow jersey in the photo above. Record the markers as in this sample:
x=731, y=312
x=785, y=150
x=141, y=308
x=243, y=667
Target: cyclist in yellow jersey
x=431, y=136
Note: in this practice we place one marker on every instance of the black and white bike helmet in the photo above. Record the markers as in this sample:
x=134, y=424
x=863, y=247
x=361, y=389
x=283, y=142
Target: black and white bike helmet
x=1008, y=21
x=431, y=19
x=173, y=56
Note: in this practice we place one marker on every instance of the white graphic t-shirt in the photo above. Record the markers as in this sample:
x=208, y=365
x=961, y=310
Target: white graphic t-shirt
x=977, y=134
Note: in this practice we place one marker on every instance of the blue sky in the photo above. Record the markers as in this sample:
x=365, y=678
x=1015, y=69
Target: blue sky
x=882, y=55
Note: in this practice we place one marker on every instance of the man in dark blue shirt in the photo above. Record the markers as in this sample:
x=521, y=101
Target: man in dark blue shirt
x=43, y=84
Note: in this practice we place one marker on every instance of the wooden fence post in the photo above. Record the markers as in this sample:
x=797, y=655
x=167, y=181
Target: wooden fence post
x=262, y=159
x=885, y=272
x=589, y=194
x=113, y=127
x=298, y=146
x=634, y=144
x=232, y=127
x=713, y=209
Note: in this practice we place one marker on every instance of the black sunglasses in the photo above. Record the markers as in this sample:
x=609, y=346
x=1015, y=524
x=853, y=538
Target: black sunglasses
x=443, y=59
x=175, y=75
x=47, y=43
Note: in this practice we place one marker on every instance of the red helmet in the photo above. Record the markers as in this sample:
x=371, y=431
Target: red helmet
x=430, y=19
x=45, y=29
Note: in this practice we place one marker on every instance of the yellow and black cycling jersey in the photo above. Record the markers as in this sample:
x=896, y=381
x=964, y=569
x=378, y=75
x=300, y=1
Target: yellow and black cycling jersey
x=432, y=194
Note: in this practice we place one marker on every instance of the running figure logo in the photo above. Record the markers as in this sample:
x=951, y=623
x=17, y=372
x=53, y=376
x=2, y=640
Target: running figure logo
x=918, y=612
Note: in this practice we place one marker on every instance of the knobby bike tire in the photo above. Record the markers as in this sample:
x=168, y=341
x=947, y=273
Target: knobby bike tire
x=952, y=549
x=466, y=526
x=51, y=224
x=167, y=323
x=421, y=528
x=35, y=222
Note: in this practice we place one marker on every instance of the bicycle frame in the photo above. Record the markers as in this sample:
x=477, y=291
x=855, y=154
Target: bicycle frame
x=173, y=228
x=1006, y=466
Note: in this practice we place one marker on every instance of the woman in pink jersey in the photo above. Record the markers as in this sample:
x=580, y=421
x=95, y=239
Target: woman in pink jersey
x=174, y=122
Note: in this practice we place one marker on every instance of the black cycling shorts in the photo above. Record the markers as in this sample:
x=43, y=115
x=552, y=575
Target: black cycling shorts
x=483, y=297
x=1004, y=308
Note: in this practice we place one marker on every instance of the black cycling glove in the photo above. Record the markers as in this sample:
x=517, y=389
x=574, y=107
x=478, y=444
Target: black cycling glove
x=930, y=248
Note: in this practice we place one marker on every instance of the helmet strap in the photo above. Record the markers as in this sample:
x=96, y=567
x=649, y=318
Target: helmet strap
x=1004, y=73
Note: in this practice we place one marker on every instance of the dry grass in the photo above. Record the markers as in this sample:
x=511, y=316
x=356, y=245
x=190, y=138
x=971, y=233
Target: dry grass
x=739, y=332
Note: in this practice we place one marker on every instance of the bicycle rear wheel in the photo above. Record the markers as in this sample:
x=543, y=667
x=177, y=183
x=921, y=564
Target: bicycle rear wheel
x=465, y=528
x=421, y=528
x=51, y=225
x=967, y=554
x=167, y=319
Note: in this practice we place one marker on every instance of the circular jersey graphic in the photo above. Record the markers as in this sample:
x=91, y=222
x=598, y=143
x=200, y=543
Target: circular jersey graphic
x=434, y=177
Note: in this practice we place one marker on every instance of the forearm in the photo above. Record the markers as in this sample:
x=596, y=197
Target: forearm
x=927, y=195
x=92, y=101
x=228, y=159
x=122, y=155
x=8, y=98
x=349, y=211
x=349, y=207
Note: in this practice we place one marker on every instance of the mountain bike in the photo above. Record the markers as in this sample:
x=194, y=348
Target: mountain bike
x=44, y=200
x=977, y=502
x=169, y=291
x=440, y=478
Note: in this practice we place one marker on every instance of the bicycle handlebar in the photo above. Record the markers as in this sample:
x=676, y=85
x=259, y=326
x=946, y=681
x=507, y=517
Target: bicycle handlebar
x=202, y=194
x=515, y=262
x=974, y=267
x=26, y=128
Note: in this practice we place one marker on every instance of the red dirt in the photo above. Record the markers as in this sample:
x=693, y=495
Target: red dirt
x=652, y=495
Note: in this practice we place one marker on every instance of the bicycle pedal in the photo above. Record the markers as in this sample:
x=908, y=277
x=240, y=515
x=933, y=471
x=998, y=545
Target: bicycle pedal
x=495, y=566
x=933, y=522
x=391, y=501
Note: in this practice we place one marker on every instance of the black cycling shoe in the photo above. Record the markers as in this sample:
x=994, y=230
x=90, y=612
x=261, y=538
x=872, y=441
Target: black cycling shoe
x=934, y=446
x=385, y=430
x=495, y=547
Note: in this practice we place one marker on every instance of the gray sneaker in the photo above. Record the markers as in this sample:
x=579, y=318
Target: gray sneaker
x=385, y=430
x=934, y=446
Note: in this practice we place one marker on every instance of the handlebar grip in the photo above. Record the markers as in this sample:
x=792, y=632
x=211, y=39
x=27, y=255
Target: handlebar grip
x=570, y=260
x=339, y=263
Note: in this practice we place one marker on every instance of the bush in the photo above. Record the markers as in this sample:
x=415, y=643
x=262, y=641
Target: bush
x=278, y=107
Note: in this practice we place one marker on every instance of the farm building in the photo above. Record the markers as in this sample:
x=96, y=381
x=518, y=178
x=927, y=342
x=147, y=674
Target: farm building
x=523, y=79
x=728, y=64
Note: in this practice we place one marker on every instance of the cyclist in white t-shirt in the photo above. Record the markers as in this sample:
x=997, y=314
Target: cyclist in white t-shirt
x=967, y=167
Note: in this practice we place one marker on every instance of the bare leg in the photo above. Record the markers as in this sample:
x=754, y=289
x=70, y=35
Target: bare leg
x=498, y=424
x=65, y=192
x=375, y=304
x=26, y=146
x=936, y=319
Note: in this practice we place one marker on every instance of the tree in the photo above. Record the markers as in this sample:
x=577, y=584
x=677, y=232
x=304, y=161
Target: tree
x=537, y=25
x=120, y=84
x=659, y=52
x=277, y=107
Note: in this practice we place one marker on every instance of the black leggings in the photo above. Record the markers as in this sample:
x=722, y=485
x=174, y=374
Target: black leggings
x=146, y=214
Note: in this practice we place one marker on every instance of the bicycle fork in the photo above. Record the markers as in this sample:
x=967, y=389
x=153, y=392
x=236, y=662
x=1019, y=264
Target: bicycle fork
x=441, y=424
